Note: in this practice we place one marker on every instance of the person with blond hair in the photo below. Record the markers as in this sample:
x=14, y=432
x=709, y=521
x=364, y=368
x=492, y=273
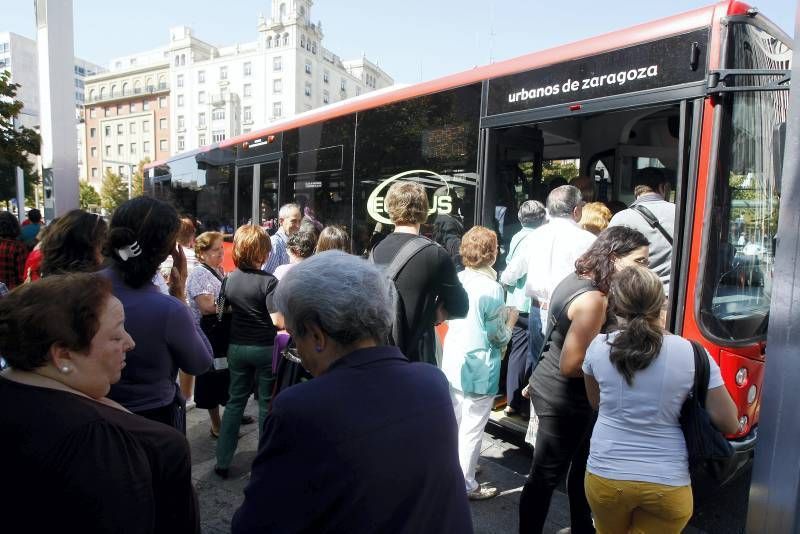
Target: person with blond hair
x=472, y=351
x=248, y=290
x=595, y=217
x=426, y=281
x=637, y=474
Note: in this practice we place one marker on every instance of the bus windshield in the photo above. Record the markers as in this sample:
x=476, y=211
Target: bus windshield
x=737, y=284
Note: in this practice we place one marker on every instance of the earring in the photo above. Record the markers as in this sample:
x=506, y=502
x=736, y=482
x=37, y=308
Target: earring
x=319, y=349
x=65, y=369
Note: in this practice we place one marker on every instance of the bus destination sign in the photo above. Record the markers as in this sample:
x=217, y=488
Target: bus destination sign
x=653, y=65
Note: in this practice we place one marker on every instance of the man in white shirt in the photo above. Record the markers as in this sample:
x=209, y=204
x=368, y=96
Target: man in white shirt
x=552, y=251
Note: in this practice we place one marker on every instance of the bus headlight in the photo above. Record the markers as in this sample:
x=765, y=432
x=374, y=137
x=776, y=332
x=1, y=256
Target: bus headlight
x=751, y=394
x=741, y=377
x=742, y=423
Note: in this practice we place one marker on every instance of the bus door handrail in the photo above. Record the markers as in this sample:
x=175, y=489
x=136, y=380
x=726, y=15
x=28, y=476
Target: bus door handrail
x=717, y=80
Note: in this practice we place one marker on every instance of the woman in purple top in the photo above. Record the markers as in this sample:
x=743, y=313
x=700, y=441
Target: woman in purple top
x=141, y=235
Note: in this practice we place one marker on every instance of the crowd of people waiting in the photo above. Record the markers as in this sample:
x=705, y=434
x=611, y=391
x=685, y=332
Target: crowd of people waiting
x=103, y=350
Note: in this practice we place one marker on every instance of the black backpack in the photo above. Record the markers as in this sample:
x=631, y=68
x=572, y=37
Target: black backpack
x=392, y=271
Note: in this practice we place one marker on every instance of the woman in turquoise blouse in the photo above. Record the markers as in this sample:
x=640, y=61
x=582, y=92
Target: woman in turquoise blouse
x=473, y=349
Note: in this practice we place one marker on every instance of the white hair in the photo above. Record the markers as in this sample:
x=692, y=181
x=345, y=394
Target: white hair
x=346, y=296
x=286, y=208
x=562, y=201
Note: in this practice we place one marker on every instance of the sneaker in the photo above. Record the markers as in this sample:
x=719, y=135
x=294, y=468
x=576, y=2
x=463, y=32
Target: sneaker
x=482, y=493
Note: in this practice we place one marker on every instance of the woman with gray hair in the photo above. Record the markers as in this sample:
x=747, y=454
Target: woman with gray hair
x=357, y=472
x=520, y=359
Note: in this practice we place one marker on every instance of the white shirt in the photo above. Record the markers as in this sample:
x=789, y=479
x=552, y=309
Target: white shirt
x=552, y=251
x=637, y=435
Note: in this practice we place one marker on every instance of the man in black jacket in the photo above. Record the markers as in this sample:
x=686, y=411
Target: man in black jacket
x=427, y=284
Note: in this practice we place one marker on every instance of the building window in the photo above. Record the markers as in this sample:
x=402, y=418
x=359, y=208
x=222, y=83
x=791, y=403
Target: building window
x=121, y=170
x=308, y=89
x=277, y=86
x=162, y=83
x=343, y=85
x=325, y=97
x=201, y=139
x=276, y=63
x=162, y=145
x=119, y=109
x=223, y=73
x=120, y=148
x=276, y=109
x=302, y=41
x=132, y=128
x=269, y=41
x=162, y=102
x=107, y=129
x=217, y=136
x=325, y=77
x=201, y=97
x=247, y=69
x=120, y=129
x=94, y=151
x=248, y=89
x=285, y=39
x=94, y=172
x=162, y=124
x=181, y=144
x=308, y=67
x=246, y=130
x=314, y=47
x=92, y=132
x=358, y=91
x=218, y=114
x=132, y=108
x=248, y=114
x=201, y=76
x=133, y=148
x=93, y=113
x=180, y=101
x=223, y=93
x=179, y=80
x=181, y=122
x=201, y=120
x=146, y=126
x=146, y=147
x=146, y=105
x=109, y=170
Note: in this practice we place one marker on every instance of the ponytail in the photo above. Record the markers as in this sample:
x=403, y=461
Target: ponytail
x=636, y=295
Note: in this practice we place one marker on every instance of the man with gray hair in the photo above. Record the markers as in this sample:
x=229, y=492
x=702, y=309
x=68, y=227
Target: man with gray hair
x=325, y=465
x=289, y=218
x=531, y=215
x=552, y=251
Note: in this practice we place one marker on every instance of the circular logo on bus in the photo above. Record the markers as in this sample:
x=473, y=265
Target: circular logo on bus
x=442, y=201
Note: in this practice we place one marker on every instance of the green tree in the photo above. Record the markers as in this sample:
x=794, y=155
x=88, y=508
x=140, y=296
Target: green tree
x=113, y=191
x=565, y=169
x=89, y=197
x=17, y=145
x=137, y=186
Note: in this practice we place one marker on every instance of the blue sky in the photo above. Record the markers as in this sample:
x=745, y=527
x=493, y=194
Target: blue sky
x=413, y=40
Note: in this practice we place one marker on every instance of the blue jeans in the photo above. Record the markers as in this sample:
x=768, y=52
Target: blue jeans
x=246, y=364
x=536, y=334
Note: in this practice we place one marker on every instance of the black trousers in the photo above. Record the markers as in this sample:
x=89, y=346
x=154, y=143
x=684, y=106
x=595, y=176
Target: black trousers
x=519, y=365
x=562, y=448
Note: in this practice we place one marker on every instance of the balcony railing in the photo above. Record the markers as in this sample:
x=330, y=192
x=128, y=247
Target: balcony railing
x=151, y=90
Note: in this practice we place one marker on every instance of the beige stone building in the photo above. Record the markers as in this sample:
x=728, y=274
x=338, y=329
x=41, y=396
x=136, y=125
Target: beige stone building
x=126, y=119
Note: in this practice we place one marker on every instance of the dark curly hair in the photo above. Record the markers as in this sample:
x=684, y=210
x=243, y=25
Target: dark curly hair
x=152, y=224
x=597, y=263
x=72, y=243
x=9, y=226
x=62, y=309
x=302, y=242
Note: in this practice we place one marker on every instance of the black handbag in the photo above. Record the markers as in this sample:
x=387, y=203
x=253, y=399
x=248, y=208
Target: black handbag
x=710, y=454
x=217, y=326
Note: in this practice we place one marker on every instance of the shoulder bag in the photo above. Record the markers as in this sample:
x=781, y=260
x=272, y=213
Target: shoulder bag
x=217, y=326
x=709, y=452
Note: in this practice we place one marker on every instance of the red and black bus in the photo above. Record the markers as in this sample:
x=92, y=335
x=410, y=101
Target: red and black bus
x=702, y=94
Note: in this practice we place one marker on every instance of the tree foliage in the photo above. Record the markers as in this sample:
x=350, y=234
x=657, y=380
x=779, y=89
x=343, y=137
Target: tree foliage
x=16, y=144
x=89, y=197
x=137, y=187
x=113, y=191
